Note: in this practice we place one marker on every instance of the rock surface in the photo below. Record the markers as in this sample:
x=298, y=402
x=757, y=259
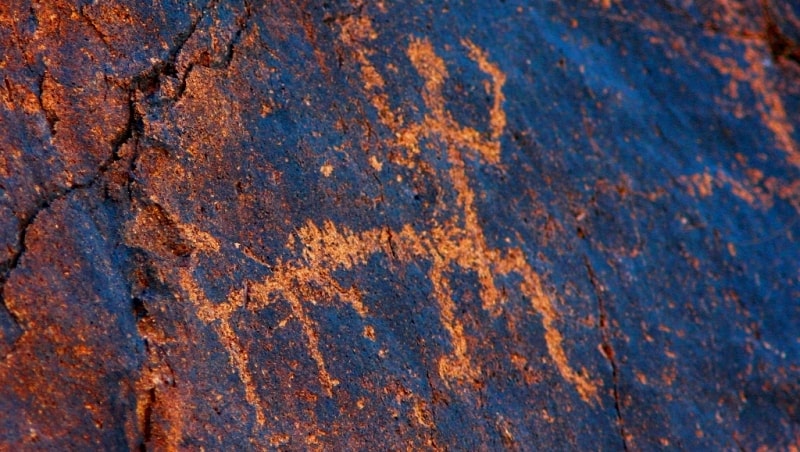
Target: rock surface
x=432, y=225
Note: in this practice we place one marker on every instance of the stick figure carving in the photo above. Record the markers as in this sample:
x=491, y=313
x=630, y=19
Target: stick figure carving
x=456, y=240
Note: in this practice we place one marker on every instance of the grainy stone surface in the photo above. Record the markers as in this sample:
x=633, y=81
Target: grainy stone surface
x=431, y=225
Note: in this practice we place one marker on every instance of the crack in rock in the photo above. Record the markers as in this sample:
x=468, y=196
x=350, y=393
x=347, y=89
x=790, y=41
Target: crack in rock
x=7, y=267
x=607, y=349
x=132, y=129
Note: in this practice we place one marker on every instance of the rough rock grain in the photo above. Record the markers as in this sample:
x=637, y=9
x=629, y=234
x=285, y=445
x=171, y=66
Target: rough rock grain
x=432, y=225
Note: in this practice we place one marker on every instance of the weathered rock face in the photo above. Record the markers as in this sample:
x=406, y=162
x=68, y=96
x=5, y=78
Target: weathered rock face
x=460, y=225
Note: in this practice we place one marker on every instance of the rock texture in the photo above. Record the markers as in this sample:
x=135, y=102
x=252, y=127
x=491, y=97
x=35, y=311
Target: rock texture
x=428, y=225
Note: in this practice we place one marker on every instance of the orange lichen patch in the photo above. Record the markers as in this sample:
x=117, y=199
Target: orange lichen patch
x=771, y=108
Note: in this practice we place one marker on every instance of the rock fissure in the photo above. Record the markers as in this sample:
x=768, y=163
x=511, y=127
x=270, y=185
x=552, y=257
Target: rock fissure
x=100, y=35
x=237, y=36
x=607, y=348
x=183, y=38
x=133, y=123
x=226, y=60
x=780, y=45
x=8, y=267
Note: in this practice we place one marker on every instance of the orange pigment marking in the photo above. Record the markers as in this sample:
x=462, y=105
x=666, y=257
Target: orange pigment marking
x=458, y=241
x=218, y=316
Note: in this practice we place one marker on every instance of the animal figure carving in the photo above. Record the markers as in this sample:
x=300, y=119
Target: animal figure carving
x=456, y=240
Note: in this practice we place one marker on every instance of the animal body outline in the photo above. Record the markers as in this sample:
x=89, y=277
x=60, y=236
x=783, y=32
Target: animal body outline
x=456, y=240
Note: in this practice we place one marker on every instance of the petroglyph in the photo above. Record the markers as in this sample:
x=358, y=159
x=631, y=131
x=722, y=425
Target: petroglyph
x=454, y=241
x=459, y=239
